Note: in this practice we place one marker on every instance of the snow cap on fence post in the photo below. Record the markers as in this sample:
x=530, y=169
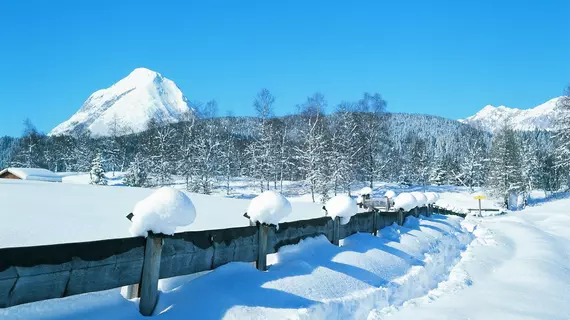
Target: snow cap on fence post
x=341, y=206
x=390, y=194
x=162, y=212
x=366, y=191
x=405, y=201
x=432, y=197
x=269, y=207
x=421, y=199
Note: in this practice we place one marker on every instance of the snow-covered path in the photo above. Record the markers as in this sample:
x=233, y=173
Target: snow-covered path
x=517, y=268
x=313, y=279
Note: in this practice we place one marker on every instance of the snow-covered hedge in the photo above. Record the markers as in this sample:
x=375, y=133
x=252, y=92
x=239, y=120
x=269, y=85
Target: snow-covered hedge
x=161, y=212
x=269, y=207
x=405, y=201
x=341, y=206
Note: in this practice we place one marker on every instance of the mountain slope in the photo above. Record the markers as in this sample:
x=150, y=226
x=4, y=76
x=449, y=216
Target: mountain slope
x=493, y=118
x=128, y=105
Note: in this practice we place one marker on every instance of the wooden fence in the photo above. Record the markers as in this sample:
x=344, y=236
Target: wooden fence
x=37, y=273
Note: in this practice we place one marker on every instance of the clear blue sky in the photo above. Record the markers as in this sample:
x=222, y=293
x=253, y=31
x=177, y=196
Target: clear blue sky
x=448, y=58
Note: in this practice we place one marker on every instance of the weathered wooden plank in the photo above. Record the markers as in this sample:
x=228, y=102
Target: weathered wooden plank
x=61, y=253
x=30, y=274
x=196, y=251
x=292, y=232
x=361, y=222
x=388, y=218
x=401, y=217
x=102, y=277
x=38, y=287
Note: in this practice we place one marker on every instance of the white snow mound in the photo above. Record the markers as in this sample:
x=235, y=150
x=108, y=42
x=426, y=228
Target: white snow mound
x=161, y=212
x=365, y=191
x=341, y=206
x=432, y=197
x=405, y=201
x=269, y=207
x=390, y=194
x=421, y=199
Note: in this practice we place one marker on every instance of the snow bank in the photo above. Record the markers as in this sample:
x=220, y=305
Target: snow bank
x=269, y=207
x=390, y=194
x=421, y=199
x=453, y=208
x=432, y=197
x=405, y=201
x=365, y=191
x=341, y=206
x=161, y=212
x=311, y=280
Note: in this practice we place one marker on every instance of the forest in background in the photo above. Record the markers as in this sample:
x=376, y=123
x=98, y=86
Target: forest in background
x=328, y=149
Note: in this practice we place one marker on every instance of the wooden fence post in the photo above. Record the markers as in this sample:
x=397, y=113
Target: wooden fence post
x=150, y=274
x=401, y=217
x=387, y=204
x=375, y=223
x=336, y=231
x=261, y=263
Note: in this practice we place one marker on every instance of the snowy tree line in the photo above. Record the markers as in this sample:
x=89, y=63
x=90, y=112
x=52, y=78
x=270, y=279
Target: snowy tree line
x=329, y=149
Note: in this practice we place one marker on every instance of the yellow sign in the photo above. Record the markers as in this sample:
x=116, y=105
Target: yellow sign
x=479, y=197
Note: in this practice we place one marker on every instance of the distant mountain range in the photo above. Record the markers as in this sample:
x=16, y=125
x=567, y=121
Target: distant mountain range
x=493, y=118
x=128, y=106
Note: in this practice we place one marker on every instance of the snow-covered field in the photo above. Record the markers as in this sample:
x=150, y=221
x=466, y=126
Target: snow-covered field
x=47, y=213
x=513, y=266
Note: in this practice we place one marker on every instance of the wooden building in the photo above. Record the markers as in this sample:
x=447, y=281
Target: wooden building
x=35, y=174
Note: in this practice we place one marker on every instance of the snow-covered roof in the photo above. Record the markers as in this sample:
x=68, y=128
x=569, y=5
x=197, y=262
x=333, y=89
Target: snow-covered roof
x=35, y=174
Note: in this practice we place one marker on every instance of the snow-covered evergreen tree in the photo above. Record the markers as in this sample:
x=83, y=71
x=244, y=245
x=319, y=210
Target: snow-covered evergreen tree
x=505, y=164
x=472, y=160
x=437, y=174
x=137, y=172
x=97, y=173
x=562, y=135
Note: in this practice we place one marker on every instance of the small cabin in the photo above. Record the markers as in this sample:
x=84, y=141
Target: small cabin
x=34, y=174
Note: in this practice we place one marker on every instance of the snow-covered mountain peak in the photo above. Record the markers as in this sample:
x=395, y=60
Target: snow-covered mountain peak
x=492, y=118
x=128, y=105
